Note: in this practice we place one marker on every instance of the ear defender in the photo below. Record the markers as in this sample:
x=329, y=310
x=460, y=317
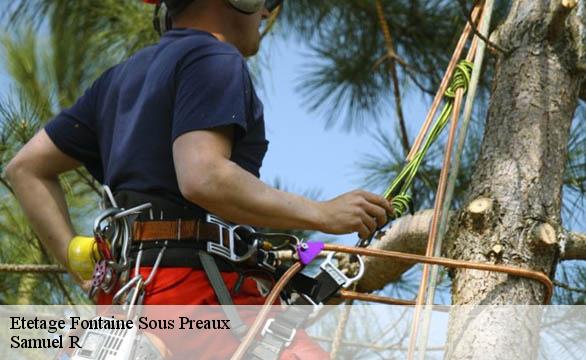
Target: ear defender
x=162, y=19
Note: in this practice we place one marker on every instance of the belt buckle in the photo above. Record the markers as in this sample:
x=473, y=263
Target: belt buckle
x=287, y=339
x=228, y=252
x=315, y=306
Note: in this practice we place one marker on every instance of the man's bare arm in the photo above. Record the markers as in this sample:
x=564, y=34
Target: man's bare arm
x=208, y=178
x=33, y=175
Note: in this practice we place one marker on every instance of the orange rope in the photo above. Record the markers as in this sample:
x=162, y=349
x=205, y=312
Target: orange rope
x=439, y=200
x=451, y=263
x=353, y=295
x=262, y=316
x=441, y=189
x=444, y=84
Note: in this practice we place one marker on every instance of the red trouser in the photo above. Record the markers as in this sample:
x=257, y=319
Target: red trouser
x=187, y=286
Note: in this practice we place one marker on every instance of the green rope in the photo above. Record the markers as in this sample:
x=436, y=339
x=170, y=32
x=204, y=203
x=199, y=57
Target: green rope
x=398, y=190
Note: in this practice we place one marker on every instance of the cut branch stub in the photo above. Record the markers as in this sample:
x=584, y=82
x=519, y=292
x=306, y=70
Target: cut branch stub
x=479, y=213
x=569, y=4
x=559, y=17
x=545, y=234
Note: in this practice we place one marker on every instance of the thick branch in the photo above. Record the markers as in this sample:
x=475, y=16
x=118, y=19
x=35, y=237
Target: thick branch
x=575, y=247
x=409, y=234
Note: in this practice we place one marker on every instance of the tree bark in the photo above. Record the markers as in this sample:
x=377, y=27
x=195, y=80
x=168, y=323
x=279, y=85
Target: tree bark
x=520, y=169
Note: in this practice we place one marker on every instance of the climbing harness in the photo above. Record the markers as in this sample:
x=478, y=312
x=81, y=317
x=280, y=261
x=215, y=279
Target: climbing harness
x=118, y=234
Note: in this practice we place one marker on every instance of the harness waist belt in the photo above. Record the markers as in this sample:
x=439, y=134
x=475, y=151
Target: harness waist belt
x=176, y=256
x=194, y=229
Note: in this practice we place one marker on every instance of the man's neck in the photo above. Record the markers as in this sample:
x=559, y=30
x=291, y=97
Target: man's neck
x=203, y=18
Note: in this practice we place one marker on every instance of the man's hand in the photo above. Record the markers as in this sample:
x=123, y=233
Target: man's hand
x=357, y=211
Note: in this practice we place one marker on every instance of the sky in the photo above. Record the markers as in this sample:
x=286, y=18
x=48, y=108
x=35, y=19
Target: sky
x=302, y=153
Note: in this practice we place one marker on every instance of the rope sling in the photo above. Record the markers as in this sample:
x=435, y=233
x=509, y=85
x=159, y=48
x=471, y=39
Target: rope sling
x=398, y=191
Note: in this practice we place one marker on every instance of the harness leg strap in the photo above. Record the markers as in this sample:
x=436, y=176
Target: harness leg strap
x=215, y=278
x=280, y=331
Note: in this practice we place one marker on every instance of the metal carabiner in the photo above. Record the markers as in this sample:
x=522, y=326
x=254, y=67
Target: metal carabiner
x=135, y=297
x=328, y=266
x=126, y=238
x=137, y=276
x=108, y=195
x=122, y=232
x=125, y=289
x=103, y=216
x=156, y=265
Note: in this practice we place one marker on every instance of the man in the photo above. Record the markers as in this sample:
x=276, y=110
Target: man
x=179, y=122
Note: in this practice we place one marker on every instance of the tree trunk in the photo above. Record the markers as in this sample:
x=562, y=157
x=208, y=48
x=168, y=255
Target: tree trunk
x=518, y=179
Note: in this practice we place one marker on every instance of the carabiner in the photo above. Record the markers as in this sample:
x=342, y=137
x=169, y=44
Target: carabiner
x=328, y=266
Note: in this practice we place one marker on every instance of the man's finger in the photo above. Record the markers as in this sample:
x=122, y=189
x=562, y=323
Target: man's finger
x=378, y=213
x=370, y=224
x=364, y=233
x=379, y=200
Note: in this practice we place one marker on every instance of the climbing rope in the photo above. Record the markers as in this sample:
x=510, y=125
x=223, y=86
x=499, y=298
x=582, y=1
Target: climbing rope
x=339, y=334
x=438, y=205
x=32, y=268
x=271, y=21
x=263, y=314
x=445, y=82
x=454, y=170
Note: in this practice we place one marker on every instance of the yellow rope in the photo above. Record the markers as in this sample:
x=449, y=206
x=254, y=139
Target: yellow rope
x=339, y=335
x=32, y=268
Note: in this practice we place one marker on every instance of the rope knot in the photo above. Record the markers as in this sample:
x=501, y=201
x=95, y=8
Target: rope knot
x=461, y=78
x=400, y=204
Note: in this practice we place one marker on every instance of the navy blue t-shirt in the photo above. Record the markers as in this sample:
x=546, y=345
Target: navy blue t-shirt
x=123, y=128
